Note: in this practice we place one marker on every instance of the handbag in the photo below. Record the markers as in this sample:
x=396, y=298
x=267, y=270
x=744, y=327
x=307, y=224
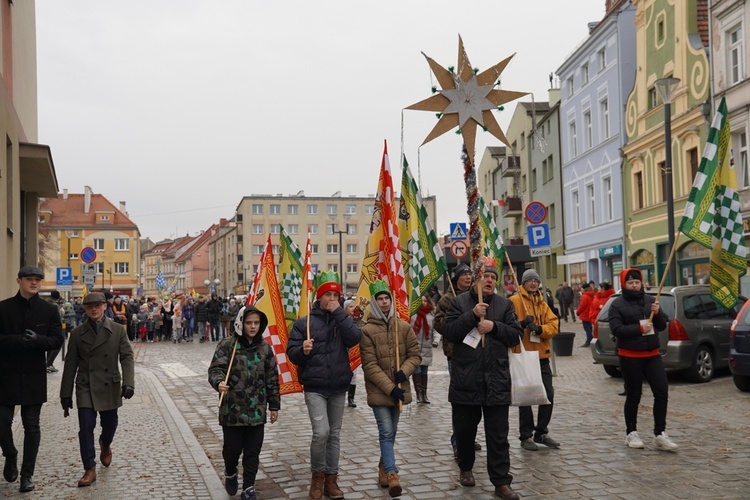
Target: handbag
x=527, y=388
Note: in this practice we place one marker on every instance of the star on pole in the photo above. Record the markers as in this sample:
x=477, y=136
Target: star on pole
x=466, y=99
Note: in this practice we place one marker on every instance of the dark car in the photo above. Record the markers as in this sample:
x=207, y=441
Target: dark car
x=696, y=339
x=739, y=349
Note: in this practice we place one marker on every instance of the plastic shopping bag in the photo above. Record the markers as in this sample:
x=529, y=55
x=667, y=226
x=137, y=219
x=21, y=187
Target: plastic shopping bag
x=527, y=387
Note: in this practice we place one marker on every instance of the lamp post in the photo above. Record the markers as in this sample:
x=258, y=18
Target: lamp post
x=666, y=88
x=335, y=230
x=217, y=282
x=109, y=271
x=207, y=284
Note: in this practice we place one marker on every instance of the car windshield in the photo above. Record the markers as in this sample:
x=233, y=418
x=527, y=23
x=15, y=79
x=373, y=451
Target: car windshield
x=665, y=300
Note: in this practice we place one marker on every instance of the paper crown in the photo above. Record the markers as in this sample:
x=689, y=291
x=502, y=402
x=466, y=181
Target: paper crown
x=489, y=262
x=326, y=277
x=378, y=287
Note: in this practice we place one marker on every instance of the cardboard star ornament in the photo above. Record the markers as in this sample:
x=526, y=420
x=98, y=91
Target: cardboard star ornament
x=466, y=99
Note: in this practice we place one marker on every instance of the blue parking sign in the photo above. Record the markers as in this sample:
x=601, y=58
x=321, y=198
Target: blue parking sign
x=538, y=235
x=64, y=276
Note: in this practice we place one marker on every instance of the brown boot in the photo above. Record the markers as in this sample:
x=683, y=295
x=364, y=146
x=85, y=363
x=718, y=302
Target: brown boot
x=417, y=378
x=316, y=486
x=331, y=487
x=88, y=477
x=105, y=455
x=394, y=487
x=382, y=476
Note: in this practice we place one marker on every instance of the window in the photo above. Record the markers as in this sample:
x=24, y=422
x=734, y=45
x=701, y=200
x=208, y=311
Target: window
x=523, y=140
x=592, y=205
x=662, y=166
x=576, y=211
x=275, y=249
x=589, y=130
x=331, y=209
x=334, y=268
x=99, y=267
x=550, y=168
x=569, y=86
x=122, y=244
x=552, y=220
x=258, y=229
x=313, y=228
x=735, y=46
x=351, y=229
x=744, y=180
x=351, y=248
x=604, y=114
x=275, y=228
x=601, y=56
x=314, y=248
x=257, y=249
x=352, y=268
x=533, y=179
x=292, y=209
x=73, y=256
x=638, y=184
x=351, y=210
x=99, y=244
x=652, y=100
x=585, y=74
x=257, y=209
x=544, y=171
x=122, y=267
x=332, y=249
x=609, y=204
x=693, y=162
x=293, y=228
x=330, y=228
x=573, y=140
x=660, y=31
x=274, y=209
x=369, y=209
x=312, y=209
x=104, y=217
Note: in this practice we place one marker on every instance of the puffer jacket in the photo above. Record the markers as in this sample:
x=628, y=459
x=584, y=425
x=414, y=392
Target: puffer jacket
x=326, y=370
x=600, y=298
x=481, y=375
x=253, y=378
x=584, y=307
x=378, y=351
x=625, y=315
x=535, y=305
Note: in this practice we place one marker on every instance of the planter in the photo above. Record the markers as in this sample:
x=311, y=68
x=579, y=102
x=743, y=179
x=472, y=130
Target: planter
x=562, y=343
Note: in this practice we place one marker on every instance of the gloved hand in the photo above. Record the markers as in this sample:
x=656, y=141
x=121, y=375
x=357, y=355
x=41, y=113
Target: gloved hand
x=399, y=376
x=528, y=320
x=29, y=338
x=127, y=392
x=397, y=394
x=535, y=329
x=66, y=403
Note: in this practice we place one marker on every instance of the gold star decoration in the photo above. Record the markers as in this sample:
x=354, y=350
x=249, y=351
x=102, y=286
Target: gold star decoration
x=466, y=99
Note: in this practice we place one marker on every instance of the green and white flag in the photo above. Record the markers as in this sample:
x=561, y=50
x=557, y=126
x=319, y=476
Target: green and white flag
x=492, y=243
x=421, y=254
x=290, y=275
x=713, y=214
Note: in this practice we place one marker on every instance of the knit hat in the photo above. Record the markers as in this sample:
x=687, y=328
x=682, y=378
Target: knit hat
x=630, y=273
x=327, y=281
x=460, y=270
x=530, y=274
x=348, y=303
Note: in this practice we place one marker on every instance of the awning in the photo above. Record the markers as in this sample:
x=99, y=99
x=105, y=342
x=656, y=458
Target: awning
x=37, y=170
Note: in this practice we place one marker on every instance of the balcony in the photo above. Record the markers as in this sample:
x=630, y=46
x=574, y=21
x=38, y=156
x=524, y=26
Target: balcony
x=515, y=241
x=510, y=166
x=513, y=207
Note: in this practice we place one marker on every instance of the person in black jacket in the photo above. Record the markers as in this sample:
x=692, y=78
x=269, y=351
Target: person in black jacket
x=201, y=318
x=481, y=333
x=634, y=319
x=29, y=326
x=214, y=312
x=322, y=359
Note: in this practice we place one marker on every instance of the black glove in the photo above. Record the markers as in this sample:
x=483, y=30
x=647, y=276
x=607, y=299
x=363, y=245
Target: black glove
x=397, y=394
x=398, y=376
x=528, y=320
x=66, y=403
x=29, y=338
x=535, y=329
x=127, y=392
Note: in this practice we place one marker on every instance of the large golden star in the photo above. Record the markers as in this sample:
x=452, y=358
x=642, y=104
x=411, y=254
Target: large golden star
x=466, y=99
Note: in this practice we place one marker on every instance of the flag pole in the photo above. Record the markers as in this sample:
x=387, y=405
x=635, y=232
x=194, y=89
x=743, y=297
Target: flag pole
x=398, y=356
x=664, y=275
x=309, y=309
x=450, y=284
x=229, y=367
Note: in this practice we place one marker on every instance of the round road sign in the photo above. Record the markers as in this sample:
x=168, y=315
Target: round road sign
x=459, y=249
x=535, y=212
x=88, y=255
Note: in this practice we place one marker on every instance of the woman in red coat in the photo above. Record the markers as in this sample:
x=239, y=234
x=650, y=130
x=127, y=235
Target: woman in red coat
x=584, y=311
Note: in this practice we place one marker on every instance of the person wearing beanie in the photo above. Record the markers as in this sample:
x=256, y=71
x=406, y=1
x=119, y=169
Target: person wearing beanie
x=246, y=404
x=634, y=319
x=387, y=377
x=540, y=324
x=321, y=352
x=585, y=311
x=481, y=332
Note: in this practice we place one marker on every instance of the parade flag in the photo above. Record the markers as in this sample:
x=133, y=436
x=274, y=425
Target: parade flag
x=308, y=280
x=382, y=258
x=268, y=300
x=422, y=256
x=161, y=283
x=492, y=243
x=713, y=214
x=290, y=277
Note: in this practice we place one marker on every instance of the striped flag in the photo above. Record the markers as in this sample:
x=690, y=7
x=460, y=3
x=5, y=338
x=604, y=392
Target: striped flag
x=290, y=276
x=308, y=280
x=423, y=258
x=161, y=283
x=713, y=214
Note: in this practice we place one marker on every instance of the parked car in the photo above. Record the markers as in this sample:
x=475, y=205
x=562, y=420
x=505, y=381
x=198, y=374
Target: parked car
x=739, y=349
x=696, y=339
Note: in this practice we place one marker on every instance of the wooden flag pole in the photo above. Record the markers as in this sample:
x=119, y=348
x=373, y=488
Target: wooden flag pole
x=666, y=271
x=229, y=367
x=398, y=356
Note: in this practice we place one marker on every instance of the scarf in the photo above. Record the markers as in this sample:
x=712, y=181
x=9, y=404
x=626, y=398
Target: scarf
x=421, y=322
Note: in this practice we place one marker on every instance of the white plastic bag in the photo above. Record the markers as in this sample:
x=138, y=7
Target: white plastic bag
x=527, y=388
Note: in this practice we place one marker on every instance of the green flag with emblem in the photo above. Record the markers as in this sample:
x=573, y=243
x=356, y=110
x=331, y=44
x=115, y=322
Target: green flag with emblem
x=290, y=276
x=492, y=243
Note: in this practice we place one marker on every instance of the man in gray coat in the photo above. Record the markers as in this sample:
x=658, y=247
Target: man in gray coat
x=94, y=349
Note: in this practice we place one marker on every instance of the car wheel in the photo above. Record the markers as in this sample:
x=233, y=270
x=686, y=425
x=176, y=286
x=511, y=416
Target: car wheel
x=703, y=366
x=742, y=382
x=613, y=371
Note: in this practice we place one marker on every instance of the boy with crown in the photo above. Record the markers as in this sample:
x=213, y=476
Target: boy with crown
x=386, y=377
x=319, y=346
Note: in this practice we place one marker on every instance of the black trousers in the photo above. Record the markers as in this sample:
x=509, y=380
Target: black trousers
x=634, y=371
x=86, y=425
x=526, y=425
x=465, y=421
x=245, y=440
x=31, y=435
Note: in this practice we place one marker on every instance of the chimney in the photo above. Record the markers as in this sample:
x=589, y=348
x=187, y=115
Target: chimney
x=65, y=194
x=122, y=208
x=86, y=200
x=592, y=26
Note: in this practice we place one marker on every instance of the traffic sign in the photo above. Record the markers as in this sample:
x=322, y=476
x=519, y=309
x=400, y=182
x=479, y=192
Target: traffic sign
x=88, y=255
x=459, y=249
x=89, y=279
x=88, y=269
x=64, y=277
x=537, y=252
x=538, y=235
x=536, y=212
x=458, y=231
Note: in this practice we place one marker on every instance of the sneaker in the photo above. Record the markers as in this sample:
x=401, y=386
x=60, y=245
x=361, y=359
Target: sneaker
x=529, y=444
x=546, y=441
x=230, y=483
x=662, y=442
x=477, y=446
x=585, y=344
x=248, y=493
x=633, y=440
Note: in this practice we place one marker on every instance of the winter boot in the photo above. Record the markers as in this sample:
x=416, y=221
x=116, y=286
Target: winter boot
x=394, y=486
x=424, y=389
x=417, y=377
x=352, y=390
x=317, y=484
x=331, y=487
x=382, y=476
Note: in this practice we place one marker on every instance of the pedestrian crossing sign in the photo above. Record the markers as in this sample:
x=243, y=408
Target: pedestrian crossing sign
x=458, y=231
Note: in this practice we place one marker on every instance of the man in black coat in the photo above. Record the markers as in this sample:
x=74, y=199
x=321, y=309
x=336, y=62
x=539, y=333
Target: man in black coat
x=214, y=312
x=29, y=326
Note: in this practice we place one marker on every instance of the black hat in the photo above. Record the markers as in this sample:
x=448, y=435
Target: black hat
x=460, y=270
x=108, y=295
x=585, y=286
x=94, y=298
x=31, y=272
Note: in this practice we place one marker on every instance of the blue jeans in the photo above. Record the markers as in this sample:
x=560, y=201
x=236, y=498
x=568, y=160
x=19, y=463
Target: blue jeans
x=387, y=419
x=588, y=327
x=326, y=414
x=190, y=327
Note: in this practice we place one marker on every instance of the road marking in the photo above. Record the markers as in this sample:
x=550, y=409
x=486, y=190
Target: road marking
x=177, y=370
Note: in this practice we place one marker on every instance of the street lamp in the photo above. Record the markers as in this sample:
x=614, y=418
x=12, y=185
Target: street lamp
x=217, y=281
x=666, y=88
x=215, y=286
x=207, y=283
x=109, y=271
x=334, y=230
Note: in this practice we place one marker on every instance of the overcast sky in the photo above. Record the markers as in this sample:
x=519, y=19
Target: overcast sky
x=181, y=107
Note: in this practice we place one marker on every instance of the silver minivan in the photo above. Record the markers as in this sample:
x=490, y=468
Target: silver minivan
x=696, y=339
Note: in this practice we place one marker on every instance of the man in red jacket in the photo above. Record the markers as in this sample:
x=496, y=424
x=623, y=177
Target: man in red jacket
x=584, y=312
